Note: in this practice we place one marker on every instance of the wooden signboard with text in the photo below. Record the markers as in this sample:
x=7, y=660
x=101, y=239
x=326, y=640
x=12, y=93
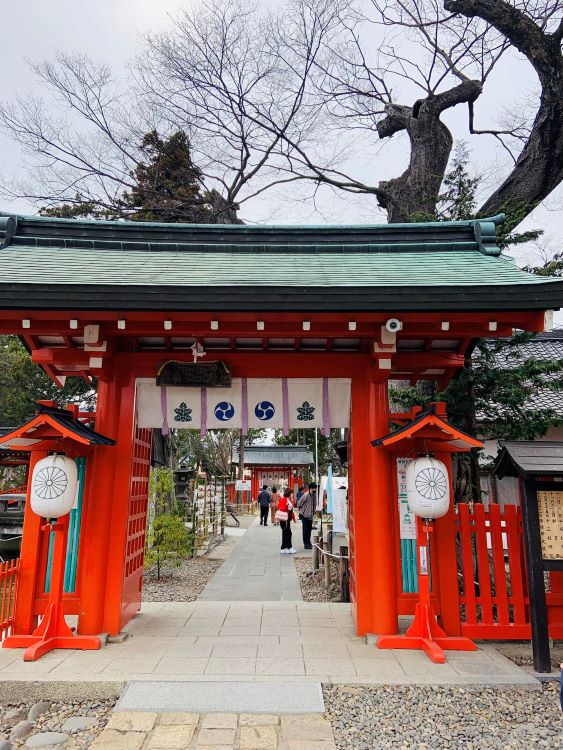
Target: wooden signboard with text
x=542, y=513
x=550, y=514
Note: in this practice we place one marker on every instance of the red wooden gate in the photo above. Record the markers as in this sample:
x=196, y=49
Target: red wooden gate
x=494, y=600
x=136, y=523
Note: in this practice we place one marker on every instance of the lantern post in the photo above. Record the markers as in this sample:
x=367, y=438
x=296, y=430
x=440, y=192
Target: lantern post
x=53, y=490
x=429, y=497
x=51, y=494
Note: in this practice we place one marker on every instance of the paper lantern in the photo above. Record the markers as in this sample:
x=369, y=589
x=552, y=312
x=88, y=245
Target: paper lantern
x=428, y=487
x=53, y=486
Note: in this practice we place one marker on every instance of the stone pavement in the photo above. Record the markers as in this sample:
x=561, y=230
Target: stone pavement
x=255, y=570
x=256, y=641
x=138, y=730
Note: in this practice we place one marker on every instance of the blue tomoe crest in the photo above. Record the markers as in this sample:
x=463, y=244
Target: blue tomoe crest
x=224, y=411
x=264, y=410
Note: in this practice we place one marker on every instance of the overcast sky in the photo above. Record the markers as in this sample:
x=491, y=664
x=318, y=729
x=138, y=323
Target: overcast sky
x=110, y=30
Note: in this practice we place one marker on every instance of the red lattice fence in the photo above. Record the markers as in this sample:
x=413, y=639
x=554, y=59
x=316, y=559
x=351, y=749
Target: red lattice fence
x=493, y=581
x=8, y=590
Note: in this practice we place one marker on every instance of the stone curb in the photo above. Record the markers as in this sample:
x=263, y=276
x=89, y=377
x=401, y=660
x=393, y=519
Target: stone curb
x=34, y=690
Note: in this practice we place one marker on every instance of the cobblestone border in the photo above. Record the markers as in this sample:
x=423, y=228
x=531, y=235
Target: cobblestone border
x=137, y=730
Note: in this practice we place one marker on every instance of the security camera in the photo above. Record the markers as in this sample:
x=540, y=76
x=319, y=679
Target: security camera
x=393, y=325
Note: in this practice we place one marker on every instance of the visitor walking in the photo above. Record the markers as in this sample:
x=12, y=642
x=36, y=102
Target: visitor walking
x=264, y=499
x=276, y=497
x=285, y=516
x=306, y=506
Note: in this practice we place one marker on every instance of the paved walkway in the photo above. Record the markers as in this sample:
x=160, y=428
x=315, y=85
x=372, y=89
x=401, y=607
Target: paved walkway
x=148, y=730
x=255, y=570
x=256, y=641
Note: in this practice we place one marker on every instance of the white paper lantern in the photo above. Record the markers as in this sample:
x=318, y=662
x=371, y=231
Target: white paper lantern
x=428, y=487
x=53, y=486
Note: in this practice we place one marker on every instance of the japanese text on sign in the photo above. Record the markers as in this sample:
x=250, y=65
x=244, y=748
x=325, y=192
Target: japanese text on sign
x=550, y=512
x=407, y=520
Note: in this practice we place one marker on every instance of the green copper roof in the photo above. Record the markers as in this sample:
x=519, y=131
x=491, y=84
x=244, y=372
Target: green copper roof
x=450, y=264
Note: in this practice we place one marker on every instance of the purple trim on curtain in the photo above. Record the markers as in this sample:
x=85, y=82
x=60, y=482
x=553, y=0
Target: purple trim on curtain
x=164, y=407
x=203, y=428
x=285, y=402
x=326, y=411
x=244, y=404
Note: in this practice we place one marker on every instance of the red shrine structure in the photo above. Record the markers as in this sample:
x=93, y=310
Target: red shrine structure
x=348, y=307
x=277, y=466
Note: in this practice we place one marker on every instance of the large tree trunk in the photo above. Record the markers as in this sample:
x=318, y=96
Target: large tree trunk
x=416, y=191
x=539, y=168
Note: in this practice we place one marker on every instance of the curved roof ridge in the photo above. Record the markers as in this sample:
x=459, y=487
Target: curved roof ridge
x=475, y=234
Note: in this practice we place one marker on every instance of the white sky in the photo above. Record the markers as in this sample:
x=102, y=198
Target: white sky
x=109, y=31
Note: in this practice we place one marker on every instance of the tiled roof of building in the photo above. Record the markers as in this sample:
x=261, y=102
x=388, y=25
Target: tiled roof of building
x=275, y=455
x=66, y=263
x=545, y=347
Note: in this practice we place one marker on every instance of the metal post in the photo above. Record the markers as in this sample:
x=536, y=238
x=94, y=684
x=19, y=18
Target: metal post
x=315, y=537
x=194, y=523
x=223, y=508
x=344, y=575
x=328, y=559
x=316, y=456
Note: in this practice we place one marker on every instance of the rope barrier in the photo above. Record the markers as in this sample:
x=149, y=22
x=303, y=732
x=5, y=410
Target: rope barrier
x=329, y=554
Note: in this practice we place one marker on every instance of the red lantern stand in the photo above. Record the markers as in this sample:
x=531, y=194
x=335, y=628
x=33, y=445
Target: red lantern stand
x=426, y=433
x=53, y=430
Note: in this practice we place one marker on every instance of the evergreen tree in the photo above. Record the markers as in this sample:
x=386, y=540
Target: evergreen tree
x=167, y=187
x=168, y=184
x=22, y=383
x=325, y=446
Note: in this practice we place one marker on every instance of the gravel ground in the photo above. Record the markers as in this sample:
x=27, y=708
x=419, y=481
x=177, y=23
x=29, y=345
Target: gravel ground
x=405, y=717
x=520, y=652
x=183, y=584
x=16, y=723
x=313, y=583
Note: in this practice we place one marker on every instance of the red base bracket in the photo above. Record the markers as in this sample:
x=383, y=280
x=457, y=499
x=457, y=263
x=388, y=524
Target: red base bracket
x=426, y=635
x=53, y=631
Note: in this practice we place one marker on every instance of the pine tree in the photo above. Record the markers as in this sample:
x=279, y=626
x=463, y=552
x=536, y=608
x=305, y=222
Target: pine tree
x=22, y=383
x=167, y=187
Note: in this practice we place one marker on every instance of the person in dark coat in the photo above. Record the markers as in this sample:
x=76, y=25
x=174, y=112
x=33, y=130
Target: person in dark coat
x=264, y=499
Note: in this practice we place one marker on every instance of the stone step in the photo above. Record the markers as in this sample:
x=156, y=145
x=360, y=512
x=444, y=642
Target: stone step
x=222, y=697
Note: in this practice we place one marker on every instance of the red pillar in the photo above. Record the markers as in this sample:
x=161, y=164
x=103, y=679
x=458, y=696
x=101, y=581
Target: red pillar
x=97, y=523
x=372, y=509
x=30, y=561
x=447, y=561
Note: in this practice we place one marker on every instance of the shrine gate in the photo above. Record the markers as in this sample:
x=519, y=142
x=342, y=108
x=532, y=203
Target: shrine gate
x=277, y=466
x=354, y=304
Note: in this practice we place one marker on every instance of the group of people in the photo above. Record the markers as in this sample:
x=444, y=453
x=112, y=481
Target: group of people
x=281, y=510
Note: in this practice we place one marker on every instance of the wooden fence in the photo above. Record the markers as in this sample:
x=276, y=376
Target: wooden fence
x=207, y=512
x=494, y=601
x=8, y=589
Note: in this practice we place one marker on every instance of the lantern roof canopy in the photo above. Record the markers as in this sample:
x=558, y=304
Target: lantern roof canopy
x=63, y=264
x=528, y=458
x=49, y=425
x=430, y=429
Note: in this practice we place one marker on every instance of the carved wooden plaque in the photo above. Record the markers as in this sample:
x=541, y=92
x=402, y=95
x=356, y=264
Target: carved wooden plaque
x=550, y=512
